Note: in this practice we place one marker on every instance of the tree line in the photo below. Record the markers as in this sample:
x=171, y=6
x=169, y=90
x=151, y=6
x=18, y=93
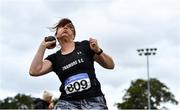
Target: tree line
x=135, y=97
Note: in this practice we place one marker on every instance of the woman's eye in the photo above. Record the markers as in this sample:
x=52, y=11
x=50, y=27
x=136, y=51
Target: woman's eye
x=70, y=26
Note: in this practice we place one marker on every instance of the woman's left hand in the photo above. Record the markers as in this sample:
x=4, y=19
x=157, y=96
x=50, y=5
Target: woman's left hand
x=94, y=45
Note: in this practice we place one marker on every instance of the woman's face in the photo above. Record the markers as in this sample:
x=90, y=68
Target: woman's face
x=66, y=31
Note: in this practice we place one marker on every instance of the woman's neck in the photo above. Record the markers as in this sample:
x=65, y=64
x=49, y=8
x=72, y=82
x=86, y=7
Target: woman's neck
x=67, y=46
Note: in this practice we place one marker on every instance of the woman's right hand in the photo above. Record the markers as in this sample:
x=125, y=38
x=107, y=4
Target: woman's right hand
x=48, y=44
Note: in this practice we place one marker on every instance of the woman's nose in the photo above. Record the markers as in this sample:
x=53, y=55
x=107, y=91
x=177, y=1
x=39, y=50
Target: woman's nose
x=65, y=27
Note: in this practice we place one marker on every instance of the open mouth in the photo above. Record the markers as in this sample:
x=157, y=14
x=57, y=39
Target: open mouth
x=64, y=32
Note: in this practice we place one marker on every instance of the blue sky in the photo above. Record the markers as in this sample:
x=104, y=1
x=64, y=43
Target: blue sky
x=120, y=26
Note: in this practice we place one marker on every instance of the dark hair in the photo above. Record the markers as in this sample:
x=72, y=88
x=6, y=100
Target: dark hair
x=62, y=23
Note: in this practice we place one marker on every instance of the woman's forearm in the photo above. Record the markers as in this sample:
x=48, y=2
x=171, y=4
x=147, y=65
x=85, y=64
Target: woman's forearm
x=105, y=60
x=37, y=62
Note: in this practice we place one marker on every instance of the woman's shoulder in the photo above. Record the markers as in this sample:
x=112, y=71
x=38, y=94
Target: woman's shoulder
x=53, y=55
x=83, y=42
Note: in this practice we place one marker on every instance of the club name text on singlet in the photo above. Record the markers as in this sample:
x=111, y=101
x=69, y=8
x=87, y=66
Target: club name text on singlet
x=73, y=63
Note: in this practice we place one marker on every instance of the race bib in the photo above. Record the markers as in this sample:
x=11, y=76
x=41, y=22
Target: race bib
x=77, y=83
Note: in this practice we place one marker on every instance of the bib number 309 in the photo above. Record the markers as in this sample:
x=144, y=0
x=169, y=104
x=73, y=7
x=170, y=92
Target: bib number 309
x=77, y=83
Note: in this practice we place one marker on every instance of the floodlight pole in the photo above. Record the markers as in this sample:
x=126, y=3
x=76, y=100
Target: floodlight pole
x=147, y=52
x=149, y=93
